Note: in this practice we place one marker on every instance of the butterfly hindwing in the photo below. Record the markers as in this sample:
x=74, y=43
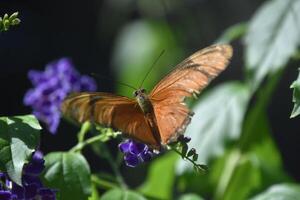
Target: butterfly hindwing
x=118, y=112
x=189, y=77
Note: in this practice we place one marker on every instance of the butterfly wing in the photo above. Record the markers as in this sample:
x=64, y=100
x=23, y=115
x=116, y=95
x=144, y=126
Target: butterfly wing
x=118, y=112
x=189, y=77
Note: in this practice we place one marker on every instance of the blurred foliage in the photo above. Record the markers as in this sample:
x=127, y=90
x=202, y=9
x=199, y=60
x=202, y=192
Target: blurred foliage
x=272, y=38
x=280, y=191
x=7, y=21
x=155, y=185
x=137, y=47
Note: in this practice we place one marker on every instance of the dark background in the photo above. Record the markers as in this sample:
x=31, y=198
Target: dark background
x=86, y=32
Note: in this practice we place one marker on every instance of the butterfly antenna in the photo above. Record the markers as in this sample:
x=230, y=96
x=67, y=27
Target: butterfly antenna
x=109, y=79
x=154, y=63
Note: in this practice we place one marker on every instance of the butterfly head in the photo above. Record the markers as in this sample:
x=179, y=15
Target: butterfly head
x=143, y=100
x=139, y=92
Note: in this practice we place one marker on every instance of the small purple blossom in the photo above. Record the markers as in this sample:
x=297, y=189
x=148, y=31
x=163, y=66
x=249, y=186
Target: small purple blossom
x=51, y=87
x=135, y=153
x=32, y=186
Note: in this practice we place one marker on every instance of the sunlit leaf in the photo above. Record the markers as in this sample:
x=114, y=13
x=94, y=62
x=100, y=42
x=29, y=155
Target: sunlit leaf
x=19, y=137
x=119, y=194
x=280, y=191
x=69, y=173
x=296, y=97
x=160, y=179
x=218, y=118
x=272, y=37
x=237, y=169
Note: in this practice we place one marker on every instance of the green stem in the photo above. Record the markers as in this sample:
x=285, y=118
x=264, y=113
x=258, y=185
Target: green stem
x=228, y=172
x=115, y=168
x=189, y=159
x=103, y=184
x=264, y=96
x=86, y=127
x=89, y=141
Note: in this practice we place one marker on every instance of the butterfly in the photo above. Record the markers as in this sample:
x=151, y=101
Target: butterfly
x=157, y=118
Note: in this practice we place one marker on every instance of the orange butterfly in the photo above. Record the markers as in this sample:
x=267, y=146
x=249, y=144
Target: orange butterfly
x=160, y=117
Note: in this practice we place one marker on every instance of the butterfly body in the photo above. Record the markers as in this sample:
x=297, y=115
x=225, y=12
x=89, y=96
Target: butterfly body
x=159, y=117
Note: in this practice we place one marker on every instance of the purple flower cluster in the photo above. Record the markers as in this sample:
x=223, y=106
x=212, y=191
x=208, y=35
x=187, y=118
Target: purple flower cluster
x=32, y=186
x=135, y=153
x=51, y=87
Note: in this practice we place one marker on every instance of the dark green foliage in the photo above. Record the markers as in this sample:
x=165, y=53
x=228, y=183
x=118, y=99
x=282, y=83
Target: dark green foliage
x=19, y=137
x=296, y=97
x=69, y=173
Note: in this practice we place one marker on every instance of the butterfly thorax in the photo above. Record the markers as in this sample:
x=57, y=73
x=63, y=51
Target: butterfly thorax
x=147, y=108
x=143, y=101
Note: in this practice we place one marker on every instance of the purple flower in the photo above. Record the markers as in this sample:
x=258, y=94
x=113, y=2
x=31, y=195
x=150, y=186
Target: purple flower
x=32, y=186
x=135, y=153
x=51, y=87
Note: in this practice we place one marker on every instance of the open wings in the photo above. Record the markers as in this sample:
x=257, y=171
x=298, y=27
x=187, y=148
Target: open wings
x=190, y=76
x=118, y=112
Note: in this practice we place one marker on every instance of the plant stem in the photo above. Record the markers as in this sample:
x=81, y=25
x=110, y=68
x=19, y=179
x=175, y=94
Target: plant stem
x=103, y=184
x=189, y=159
x=86, y=126
x=115, y=168
x=89, y=141
x=264, y=96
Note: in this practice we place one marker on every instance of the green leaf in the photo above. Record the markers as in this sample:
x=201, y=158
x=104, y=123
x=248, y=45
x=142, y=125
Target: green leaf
x=218, y=118
x=272, y=38
x=238, y=169
x=155, y=185
x=283, y=191
x=137, y=47
x=296, y=97
x=259, y=165
x=190, y=197
x=119, y=194
x=69, y=173
x=19, y=137
x=232, y=33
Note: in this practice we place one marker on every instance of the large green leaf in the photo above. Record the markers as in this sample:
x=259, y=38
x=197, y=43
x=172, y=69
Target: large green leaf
x=119, y=194
x=69, y=173
x=137, y=47
x=19, y=137
x=281, y=191
x=259, y=164
x=273, y=37
x=160, y=178
x=296, y=97
x=237, y=169
x=218, y=118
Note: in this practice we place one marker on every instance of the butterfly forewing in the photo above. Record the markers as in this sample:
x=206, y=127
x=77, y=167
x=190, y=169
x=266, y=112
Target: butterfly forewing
x=118, y=112
x=189, y=77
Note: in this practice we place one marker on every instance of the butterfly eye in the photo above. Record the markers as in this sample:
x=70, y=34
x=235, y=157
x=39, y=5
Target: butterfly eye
x=135, y=93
